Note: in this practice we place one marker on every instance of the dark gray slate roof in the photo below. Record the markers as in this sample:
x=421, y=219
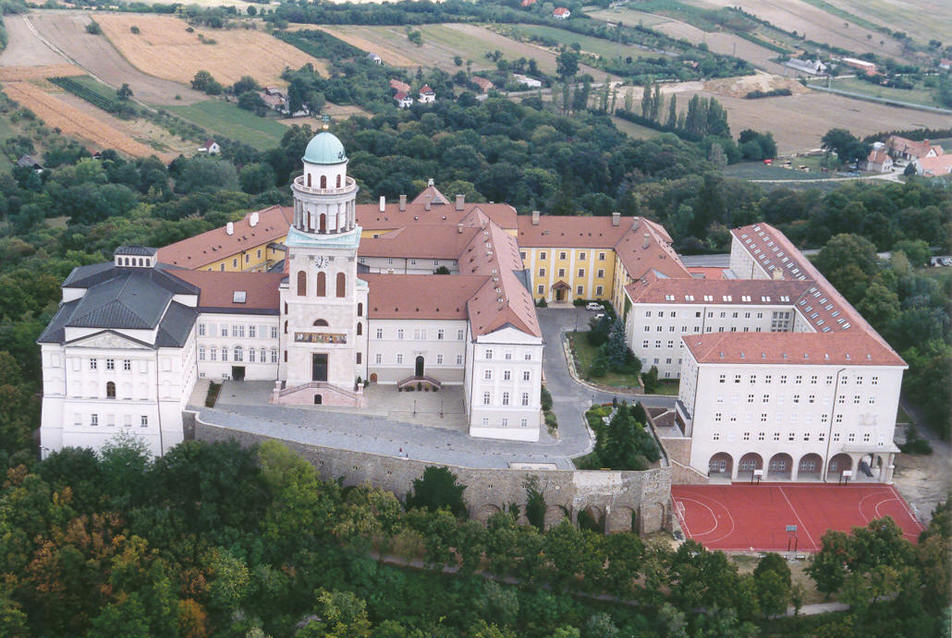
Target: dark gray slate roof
x=54, y=331
x=176, y=325
x=125, y=298
x=136, y=251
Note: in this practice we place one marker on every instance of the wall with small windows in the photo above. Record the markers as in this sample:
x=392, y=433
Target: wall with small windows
x=654, y=331
x=504, y=385
x=230, y=345
x=772, y=417
x=407, y=265
x=588, y=272
x=394, y=345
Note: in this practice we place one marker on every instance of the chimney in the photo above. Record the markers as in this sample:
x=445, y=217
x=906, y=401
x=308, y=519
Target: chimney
x=230, y=228
x=253, y=221
x=535, y=218
x=429, y=182
x=777, y=274
x=459, y=228
x=426, y=202
x=460, y=200
x=383, y=203
x=403, y=203
x=616, y=219
x=647, y=241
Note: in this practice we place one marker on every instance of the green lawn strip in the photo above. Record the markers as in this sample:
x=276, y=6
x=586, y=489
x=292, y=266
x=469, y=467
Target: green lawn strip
x=913, y=96
x=634, y=131
x=845, y=15
x=585, y=355
x=232, y=122
x=598, y=46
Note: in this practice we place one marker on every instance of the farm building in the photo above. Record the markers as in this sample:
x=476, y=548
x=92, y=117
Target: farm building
x=210, y=147
x=403, y=100
x=531, y=83
x=484, y=84
x=561, y=13
x=878, y=160
x=427, y=95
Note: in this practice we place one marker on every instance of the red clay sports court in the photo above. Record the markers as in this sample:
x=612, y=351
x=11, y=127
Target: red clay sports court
x=756, y=517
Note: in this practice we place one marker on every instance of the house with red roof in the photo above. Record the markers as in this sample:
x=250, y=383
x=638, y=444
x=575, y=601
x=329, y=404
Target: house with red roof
x=561, y=13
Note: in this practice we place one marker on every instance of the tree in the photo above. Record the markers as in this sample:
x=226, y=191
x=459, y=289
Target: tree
x=535, y=503
x=203, y=81
x=256, y=178
x=773, y=584
x=437, y=488
x=251, y=101
x=246, y=83
x=567, y=64
x=849, y=262
x=848, y=147
x=828, y=566
x=124, y=92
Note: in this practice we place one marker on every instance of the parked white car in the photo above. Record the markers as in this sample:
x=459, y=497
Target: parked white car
x=592, y=305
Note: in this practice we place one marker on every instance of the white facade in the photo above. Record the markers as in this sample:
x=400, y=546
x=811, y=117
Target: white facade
x=407, y=265
x=503, y=385
x=790, y=420
x=401, y=348
x=237, y=346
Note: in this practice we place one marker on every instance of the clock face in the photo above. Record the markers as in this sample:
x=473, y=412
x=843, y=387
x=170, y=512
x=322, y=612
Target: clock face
x=321, y=262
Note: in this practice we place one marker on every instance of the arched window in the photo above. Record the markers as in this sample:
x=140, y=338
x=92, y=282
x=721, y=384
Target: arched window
x=239, y=354
x=285, y=327
x=320, y=322
x=360, y=328
x=360, y=310
x=323, y=222
x=341, y=284
x=110, y=390
x=323, y=181
x=338, y=181
x=321, y=289
x=308, y=180
x=285, y=307
x=301, y=284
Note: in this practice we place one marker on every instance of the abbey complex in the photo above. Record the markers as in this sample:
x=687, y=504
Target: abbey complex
x=778, y=372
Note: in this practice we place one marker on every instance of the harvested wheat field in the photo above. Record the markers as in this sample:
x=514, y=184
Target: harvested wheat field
x=355, y=37
x=742, y=85
x=165, y=49
x=72, y=122
x=21, y=73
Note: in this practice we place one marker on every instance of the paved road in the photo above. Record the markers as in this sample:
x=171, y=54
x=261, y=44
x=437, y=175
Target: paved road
x=379, y=435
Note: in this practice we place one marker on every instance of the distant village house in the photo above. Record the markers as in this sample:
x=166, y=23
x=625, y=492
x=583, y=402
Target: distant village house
x=373, y=57
x=531, y=83
x=210, y=147
x=484, y=84
x=561, y=13
x=403, y=100
x=427, y=95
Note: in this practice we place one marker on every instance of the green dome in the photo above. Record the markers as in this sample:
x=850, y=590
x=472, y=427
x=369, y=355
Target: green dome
x=325, y=148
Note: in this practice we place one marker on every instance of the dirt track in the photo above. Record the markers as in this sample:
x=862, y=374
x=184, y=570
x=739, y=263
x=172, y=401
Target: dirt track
x=65, y=31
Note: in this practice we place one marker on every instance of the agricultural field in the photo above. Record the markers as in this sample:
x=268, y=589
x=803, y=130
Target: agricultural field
x=441, y=43
x=597, y=46
x=761, y=171
x=21, y=73
x=815, y=23
x=923, y=20
x=74, y=122
x=919, y=95
x=164, y=48
x=225, y=118
x=721, y=42
x=66, y=31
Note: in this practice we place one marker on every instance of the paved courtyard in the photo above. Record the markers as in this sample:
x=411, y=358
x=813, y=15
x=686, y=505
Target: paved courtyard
x=410, y=424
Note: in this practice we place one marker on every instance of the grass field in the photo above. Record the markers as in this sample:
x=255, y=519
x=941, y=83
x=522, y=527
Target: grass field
x=589, y=44
x=585, y=355
x=923, y=20
x=759, y=170
x=6, y=132
x=165, y=49
x=634, y=131
x=227, y=119
x=96, y=86
x=913, y=96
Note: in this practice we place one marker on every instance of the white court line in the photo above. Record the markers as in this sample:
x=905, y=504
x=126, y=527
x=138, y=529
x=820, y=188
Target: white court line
x=729, y=516
x=905, y=507
x=792, y=509
x=680, y=514
x=713, y=516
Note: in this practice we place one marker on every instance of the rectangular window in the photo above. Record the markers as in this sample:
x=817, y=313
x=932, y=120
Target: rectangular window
x=525, y=398
x=505, y=398
x=224, y=353
x=579, y=291
x=459, y=334
x=562, y=255
x=525, y=375
x=201, y=353
x=581, y=272
x=400, y=333
x=274, y=355
x=360, y=357
x=542, y=272
x=542, y=255
x=486, y=398
x=126, y=365
x=252, y=331
x=274, y=332
x=92, y=364
x=201, y=330
x=239, y=354
x=439, y=359
x=459, y=359
x=489, y=354
x=561, y=272
x=93, y=419
x=528, y=356
x=224, y=330
x=399, y=358
x=440, y=334
x=488, y=374
x=599, y=291
x=252, y=355
x=541, y=289
x=378, y=358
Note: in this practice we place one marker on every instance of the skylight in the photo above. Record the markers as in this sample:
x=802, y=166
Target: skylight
x=239, y=296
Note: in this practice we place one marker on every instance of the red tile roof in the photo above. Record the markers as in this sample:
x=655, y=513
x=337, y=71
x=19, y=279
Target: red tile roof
x=218, y=290
x=215, y=245
x=400, y=86
x=654, y=289
x=706, y=272
x=420, y=296
x=791, y=348
x=426, y=241
x=370, y=217
x=935, y=166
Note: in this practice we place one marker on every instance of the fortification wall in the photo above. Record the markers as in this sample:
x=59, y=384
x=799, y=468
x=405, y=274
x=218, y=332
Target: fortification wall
x=637, y=501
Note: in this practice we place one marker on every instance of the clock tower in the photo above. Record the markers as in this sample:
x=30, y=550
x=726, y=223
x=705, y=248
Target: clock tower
x=323, y=303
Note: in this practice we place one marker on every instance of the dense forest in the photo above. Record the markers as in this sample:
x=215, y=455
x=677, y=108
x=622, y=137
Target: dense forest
x=217, y=540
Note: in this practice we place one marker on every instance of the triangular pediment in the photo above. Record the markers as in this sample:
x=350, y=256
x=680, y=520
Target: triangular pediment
x=509, y=334
x=109, y=339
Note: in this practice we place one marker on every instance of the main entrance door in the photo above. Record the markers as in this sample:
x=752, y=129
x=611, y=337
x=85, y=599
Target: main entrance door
x=319, y=367
x=419, y=366
x=238, y=373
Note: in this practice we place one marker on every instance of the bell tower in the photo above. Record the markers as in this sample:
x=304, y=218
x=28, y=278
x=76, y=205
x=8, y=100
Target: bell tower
x=323, y=304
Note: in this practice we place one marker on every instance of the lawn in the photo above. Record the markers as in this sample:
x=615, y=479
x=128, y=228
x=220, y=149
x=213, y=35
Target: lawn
x=918, y=95
x=668, y=387
x=94, y=85
x=232, y=122
x=6, y=132
x=585, y=355
x=760, y=171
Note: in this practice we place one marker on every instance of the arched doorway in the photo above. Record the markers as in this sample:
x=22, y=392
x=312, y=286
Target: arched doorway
x=780, y=466
x=748, y=463
x=721, y=464
x=809, y=467
x=318, y=399
x=323, y=223
x=839, y=464
x=373, y=377
x=419, y=367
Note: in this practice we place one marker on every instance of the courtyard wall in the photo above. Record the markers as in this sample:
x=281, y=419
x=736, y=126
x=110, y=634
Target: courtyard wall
x=623, y=500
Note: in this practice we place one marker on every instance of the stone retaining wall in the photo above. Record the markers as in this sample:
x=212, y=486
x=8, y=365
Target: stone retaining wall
x=624, y=501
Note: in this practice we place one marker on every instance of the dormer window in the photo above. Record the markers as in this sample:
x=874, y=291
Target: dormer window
x=239, y=296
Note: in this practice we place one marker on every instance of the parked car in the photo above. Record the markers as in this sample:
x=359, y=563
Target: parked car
x=592, y=305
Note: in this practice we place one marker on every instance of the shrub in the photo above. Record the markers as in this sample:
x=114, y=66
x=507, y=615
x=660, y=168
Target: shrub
x=437, y=489
x=134, y=29
x=93, y=28
x=541, y=303
x=546, y=399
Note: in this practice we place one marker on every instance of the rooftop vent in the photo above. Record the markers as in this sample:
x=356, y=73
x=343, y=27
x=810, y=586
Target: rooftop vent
x=239, y=296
